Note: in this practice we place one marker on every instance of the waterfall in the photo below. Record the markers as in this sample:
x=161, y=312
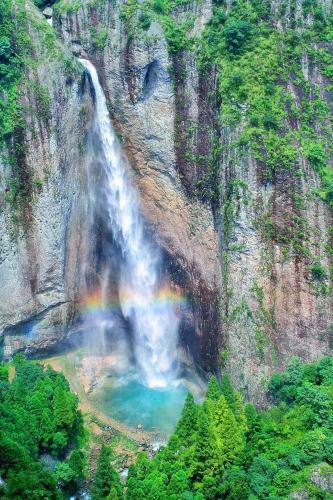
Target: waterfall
x=153, y=321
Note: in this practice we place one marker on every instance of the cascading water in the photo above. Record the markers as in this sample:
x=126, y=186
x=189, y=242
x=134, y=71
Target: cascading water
x=154, y=322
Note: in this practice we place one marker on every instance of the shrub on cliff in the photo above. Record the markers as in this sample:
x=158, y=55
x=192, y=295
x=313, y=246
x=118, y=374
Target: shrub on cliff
x=237, y=34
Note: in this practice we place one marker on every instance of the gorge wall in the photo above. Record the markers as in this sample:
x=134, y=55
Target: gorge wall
x=137, y=80
x=224, y=113
x=42, y=200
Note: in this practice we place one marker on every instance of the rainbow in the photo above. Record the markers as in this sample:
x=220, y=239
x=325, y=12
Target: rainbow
x=165, y=297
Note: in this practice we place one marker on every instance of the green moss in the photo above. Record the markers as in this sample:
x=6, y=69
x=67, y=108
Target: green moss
x=256, y=63
x=235, y=194
x=138, y=18
x=43, y=100
x=318, y=272
x=38, y=183
x=224, y=356
x=12, y=191
x=20, y=24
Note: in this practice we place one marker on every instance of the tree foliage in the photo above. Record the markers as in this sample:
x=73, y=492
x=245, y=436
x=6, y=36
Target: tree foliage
x=223, y=449
x=35, y=421
x=106, y=482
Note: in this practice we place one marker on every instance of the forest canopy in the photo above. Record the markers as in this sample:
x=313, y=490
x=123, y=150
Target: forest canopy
x=221, y=448
x=225, y=449
x=39, y=416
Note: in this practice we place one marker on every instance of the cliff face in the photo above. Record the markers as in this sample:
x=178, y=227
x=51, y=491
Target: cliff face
x=136, y=73
x=276, y=213
x=42, y=196
x=224, y=112
x=235, y=200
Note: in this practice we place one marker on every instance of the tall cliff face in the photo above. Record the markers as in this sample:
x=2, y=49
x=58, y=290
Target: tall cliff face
x=42, y=190
x=136, y=72
x=276, y=188
x=224, y=111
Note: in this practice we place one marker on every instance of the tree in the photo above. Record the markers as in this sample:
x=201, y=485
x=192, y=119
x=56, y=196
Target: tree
x=31, y=484
x=227, y=391
x=59, y=443
x=252, y=419
x=260, y=475
x=205, y=460
x=5, y=49
x=65, y=475
x=69, y=474
x=140, y=469
x=64, y=404
x=179, y=482
x=213, y=390
x=236, y=34
x=106, y=478
x=235, y=484
x=4, y=368
x=229, y=438
x=188, y=422
x=77, y=463
x=28, y=428
x=239, y=412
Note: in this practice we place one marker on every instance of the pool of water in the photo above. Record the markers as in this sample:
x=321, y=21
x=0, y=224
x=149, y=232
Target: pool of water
x=133, y=403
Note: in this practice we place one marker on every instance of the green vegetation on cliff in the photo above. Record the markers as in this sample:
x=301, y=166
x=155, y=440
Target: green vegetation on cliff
x=39, y=416
x=223, y=449
x=14, y=42
x=28, y=45
x=263, y=85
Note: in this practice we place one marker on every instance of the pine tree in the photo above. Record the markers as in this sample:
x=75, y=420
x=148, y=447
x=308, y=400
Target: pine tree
x=106, y=478
x=253, y=420
x=213, y=390
x=77, y=463
x=239, y=412
x=205, y=460
x=209, y=407
x=229, y=437
x=227, y=391
x=64, y=406
x=188, y=422
x=113, y=495
x=178, y=483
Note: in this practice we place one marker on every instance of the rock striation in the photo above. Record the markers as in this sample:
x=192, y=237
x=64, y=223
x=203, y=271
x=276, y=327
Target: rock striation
x=137, y=81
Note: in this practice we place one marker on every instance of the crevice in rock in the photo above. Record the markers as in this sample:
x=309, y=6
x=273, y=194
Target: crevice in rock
x=150, y=80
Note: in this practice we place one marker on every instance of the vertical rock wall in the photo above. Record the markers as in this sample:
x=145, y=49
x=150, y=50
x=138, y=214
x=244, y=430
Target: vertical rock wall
x=42, y=198
x=253, y=300
x=137, y=76
x=253, y=304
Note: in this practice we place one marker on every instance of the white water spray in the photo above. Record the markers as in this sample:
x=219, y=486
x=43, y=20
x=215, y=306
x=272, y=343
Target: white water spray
x=155, y=326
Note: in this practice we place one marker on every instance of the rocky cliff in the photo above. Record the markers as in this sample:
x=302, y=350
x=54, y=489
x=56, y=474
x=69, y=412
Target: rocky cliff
x=224, y=111
x=42, y=193
x=137, y=76
x=226, y=166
